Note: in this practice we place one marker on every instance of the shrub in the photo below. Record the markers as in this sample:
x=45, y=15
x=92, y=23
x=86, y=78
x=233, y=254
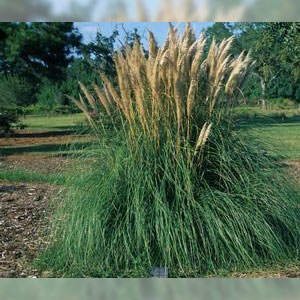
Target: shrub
x=175, y=185
x=51, y=100
x=15, y=92
x=80, y=70
x=282, y=103
x=8, y=117
x=48, y=98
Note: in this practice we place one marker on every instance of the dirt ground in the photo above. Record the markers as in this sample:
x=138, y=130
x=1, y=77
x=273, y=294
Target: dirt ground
x=294, y=169
x=28, y=138
x=24, y=207
x=44, y=164
x=23, y=219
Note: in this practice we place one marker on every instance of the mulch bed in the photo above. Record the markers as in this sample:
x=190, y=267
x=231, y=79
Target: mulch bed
x=23, y=219
x=29, y=138
x=287, y=271
x=44, y=164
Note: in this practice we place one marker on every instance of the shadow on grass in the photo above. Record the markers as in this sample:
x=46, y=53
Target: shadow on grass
x=33, y=134
x=265, y=121
x=43, y=148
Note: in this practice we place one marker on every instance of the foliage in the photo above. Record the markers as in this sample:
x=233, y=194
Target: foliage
x=99, y=52
x=49, y=96
x=38, y=53
x=38, y=50
x=50, y=99
x=15, y=92
x=80, y=70
x=8, y=117
x=54, y=52
x=176, y=186
x=274, y=47
x=97, y=56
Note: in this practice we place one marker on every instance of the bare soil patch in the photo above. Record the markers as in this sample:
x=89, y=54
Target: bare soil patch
x=44, y=164
x=23, y=220
x=287, y=271
x=294, y=169
x=29, y=138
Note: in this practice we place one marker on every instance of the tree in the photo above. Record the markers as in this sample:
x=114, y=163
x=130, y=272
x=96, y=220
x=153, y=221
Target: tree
x=39, y=53
x=255, y=38
x=288, y=35
x=14, y=91
x=275, y=47
x=38, y=50
x=219, y=31
x=277, y=53
x=99, y=52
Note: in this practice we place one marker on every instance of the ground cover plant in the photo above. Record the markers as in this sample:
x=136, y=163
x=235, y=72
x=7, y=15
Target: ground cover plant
x=175, y=184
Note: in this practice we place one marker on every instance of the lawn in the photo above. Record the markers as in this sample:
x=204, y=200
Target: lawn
x=60, y=122
x=46, y=135
x=35, y=153
x=279, y=128
x=283, y=135
x=52, y=135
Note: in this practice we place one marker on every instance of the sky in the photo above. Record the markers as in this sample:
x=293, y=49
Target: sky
x=160, y=29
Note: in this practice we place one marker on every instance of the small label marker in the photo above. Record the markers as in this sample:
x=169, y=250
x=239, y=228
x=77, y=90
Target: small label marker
x=159, y=272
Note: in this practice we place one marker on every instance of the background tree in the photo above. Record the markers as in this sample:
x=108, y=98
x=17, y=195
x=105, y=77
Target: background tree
x=39, y=50
x=99, y=52
x=275, y=48
x=219, y=31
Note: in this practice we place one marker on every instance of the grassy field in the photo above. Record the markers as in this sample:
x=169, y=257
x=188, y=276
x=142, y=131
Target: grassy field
x=33, y=154
x=46, y=135
x=61, y=122
x=282, y=135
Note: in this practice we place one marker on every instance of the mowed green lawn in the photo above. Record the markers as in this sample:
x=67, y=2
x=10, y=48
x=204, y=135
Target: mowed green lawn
x=59, y=122
x=47, y=135
x=282, y=134
x=44, y=137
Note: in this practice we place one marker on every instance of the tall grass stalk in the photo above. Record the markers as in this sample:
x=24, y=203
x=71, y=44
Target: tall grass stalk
x=177, y=186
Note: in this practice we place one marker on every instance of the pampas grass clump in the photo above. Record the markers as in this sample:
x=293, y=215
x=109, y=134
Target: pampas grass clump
x=176, y=185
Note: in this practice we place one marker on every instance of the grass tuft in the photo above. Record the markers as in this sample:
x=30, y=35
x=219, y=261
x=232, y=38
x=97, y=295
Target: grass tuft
x=176, y=185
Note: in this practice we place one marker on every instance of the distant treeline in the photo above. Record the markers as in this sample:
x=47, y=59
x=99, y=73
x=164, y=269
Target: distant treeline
x=41, y=63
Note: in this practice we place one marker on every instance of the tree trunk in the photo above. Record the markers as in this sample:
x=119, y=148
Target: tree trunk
x=263, y=92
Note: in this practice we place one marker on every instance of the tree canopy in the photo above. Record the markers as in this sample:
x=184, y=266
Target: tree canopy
x=276, y=49
x=38, y=50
